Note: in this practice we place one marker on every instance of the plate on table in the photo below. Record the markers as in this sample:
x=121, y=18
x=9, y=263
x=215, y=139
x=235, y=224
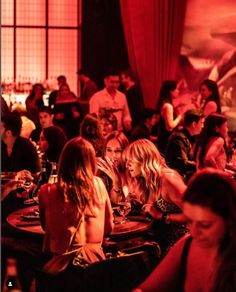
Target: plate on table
x=139, y=218
x=34, y=215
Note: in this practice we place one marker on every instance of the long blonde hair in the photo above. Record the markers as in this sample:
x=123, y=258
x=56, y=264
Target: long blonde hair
x=145, y=153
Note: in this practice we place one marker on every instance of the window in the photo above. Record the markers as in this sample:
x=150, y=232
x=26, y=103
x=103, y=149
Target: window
x=40, y=41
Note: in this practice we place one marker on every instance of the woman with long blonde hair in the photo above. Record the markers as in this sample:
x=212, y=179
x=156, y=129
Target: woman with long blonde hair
x=157, y=187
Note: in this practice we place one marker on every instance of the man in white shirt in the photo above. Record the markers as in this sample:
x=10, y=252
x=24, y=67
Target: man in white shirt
x=110, y=99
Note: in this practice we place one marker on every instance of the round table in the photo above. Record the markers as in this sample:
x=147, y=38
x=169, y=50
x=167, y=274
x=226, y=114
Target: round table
x=133, y=225
x=16, y=219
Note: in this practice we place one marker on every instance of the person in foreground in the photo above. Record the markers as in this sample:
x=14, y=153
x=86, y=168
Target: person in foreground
x=205, y=259
x=76, y=212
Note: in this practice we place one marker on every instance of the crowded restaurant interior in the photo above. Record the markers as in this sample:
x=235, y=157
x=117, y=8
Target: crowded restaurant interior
x=118, y=146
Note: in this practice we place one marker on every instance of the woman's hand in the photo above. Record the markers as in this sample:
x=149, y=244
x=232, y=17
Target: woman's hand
x=135, y=199
x=15, y=183
x=107, y=166
x=23, y=174
x=152, y=210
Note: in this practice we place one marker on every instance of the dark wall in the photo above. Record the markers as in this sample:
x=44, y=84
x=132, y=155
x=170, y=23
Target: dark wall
x=103, y=43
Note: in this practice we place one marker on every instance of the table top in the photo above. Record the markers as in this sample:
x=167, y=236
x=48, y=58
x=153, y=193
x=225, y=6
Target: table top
x=18, y=219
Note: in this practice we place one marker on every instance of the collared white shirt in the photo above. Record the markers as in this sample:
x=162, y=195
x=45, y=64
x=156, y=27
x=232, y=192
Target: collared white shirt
x=103, y=100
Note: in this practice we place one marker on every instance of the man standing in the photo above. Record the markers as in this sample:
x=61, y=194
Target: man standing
x=133, y=95
x=181, y=144
x=88, y=86
x=17, y=152
x=110, y=99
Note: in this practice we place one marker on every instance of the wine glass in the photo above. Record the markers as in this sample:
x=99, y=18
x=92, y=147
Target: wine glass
x=123, y=208
x=27, y=186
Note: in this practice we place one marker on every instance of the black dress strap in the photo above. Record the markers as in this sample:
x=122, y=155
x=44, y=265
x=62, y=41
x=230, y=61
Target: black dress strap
x=183, y=264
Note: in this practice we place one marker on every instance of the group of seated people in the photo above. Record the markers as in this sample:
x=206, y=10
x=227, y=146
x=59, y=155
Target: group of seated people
x=171, y=166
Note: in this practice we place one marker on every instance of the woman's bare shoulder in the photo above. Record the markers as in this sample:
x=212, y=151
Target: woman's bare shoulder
x=171, y=178
x=171, y=174
x=98, y=182
x=100, y=187
x=167, y=106
x=48, y=190
x=218, y=140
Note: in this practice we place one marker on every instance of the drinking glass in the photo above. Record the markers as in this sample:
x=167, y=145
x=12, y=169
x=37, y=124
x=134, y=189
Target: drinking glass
x=123, y=208
x=27, y=186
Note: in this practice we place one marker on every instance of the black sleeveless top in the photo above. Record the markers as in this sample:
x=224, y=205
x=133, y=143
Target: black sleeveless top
x=183, y=265
x=163, y=134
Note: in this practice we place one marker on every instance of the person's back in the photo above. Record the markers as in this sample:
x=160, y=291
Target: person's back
x=59, y=228
x=76, y=216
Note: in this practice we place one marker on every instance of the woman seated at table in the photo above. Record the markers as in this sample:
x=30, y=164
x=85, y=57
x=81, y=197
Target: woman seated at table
x=205, y=260
x=90, y=130
x=158, y=188
x=110, y=166
x=212, y=150
x=76, y=212
x=108, y=124
x=52, y=141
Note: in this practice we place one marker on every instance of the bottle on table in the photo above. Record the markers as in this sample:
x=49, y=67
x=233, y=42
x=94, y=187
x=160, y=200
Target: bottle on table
x=11, y=281
x=53, y=175
x=41, y=179
x=43, y=176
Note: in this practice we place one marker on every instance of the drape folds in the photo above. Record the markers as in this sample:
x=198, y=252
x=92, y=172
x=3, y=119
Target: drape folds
x=153, y=31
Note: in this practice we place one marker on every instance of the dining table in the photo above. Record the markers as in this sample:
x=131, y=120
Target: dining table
x=27, y=220
x=128, y=236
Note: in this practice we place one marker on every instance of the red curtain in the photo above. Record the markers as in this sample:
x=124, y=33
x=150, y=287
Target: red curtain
x=153, y=31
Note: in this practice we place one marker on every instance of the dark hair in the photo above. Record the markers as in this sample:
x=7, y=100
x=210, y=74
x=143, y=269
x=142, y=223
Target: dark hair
x=90, y=130
x=83, y=71
x=165, y=93
x=45, y=109
x=112, y=72
x=56, y=139
x=193, y=115
x=76, y=171
x=147, y=113
x=214, y=189
x=215, y=96
x=212, y=121
x=124, y=142
x=61, y=77
x=111, y=118
x=129, y=73
x=12, y=122
x=120, y=137
x=32, y=93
